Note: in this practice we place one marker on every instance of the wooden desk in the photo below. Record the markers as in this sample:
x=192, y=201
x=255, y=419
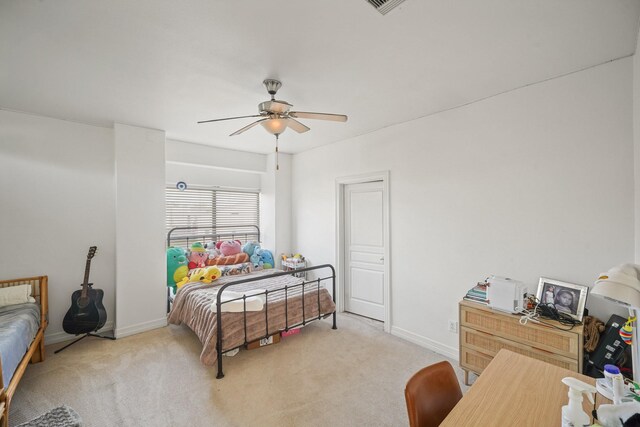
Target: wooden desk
x=517, y=390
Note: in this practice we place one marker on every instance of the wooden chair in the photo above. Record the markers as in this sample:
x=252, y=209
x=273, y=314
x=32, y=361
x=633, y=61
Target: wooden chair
x=431, y=393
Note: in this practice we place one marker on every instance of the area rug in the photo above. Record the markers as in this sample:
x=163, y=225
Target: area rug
x=62, y=416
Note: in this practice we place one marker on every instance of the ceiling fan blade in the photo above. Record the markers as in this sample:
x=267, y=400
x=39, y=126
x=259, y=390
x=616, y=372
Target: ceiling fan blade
x=229, y=118
x=247, y=127
x=318, y=116
x=296, y=125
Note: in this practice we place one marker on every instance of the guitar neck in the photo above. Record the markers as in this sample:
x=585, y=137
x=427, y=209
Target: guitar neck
x=85, y=282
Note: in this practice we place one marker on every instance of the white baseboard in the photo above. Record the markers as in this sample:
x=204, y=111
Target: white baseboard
x=57, y=337
x=140, y=327
x=425, y=342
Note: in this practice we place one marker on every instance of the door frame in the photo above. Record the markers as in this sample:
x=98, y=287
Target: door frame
x=341, y=182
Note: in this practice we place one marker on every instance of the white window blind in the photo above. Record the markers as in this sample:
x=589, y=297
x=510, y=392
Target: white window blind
x=196, y=207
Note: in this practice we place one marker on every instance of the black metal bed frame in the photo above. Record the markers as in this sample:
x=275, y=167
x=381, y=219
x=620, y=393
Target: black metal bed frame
x=234, y=232
x=266, y=293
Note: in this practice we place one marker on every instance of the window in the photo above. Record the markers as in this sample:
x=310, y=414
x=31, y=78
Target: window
x=199, y=207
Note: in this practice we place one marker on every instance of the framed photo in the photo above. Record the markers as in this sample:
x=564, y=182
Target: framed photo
x=565, y=297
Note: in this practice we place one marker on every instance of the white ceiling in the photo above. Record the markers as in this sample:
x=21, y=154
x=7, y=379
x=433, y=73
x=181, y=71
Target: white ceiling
x=167, y=64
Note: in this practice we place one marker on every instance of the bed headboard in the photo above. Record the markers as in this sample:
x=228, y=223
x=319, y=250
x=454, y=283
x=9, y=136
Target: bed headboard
x=183, y=236
x=39, y=291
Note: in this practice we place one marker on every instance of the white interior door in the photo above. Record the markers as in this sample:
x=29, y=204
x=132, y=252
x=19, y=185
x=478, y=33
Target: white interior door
x=364, y=249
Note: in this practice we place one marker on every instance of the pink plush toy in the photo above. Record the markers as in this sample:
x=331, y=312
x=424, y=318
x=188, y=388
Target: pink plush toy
x=198, y=256
x=230, y=247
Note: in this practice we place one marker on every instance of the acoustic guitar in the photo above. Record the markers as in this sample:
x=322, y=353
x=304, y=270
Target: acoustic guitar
x=86, y=314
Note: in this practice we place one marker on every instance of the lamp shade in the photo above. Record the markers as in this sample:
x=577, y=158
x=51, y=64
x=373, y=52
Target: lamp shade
x=620, y=284
x=275, y=126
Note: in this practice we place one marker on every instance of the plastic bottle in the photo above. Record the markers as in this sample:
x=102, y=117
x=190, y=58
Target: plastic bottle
x=572, y=414
x=615, y=381
x=618, y=389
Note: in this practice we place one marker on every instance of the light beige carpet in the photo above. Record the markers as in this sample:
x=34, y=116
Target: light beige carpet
x=352, y=376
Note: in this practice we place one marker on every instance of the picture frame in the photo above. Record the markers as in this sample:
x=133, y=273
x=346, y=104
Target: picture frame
x=565, y=297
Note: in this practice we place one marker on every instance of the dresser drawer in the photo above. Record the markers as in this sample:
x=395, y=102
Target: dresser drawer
x=564, y=343
x=473, y=361
x=489, y=344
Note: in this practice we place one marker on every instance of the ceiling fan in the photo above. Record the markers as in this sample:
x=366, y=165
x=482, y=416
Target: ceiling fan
x=276, y=116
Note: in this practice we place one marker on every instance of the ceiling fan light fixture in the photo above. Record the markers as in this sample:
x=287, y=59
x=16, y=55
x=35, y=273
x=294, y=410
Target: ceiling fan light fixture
x=275, y=126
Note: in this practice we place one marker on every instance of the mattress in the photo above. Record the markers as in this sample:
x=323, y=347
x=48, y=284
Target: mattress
x=19, y=324
x=192, y=307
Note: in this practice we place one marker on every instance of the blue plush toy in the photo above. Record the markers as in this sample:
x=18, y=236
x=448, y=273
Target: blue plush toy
x=255, y=257
x=250, y=247
x=265, y=257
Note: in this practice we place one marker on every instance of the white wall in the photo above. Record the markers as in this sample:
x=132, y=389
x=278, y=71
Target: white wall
x=58, y=182
x=197, y=175
x=56, y=200
x=275, y=206
x=202, y=165
x=189, y=153
x=140, y=225
x=283, y=208
x=636, y=140
x=534, y=182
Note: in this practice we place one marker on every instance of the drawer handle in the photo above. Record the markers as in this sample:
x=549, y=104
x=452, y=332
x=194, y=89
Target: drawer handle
x=543, y=350
x=479, y=332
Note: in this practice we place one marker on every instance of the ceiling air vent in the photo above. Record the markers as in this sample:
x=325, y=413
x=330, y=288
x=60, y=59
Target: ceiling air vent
x=384, y=6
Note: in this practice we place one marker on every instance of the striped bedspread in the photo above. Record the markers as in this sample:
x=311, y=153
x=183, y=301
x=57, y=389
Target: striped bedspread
x=192, y=306
x=19, y=324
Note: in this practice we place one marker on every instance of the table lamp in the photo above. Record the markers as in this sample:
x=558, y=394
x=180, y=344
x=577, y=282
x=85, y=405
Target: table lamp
x=621, y=285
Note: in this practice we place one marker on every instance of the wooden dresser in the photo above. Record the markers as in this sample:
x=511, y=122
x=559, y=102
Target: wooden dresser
x=483, y=332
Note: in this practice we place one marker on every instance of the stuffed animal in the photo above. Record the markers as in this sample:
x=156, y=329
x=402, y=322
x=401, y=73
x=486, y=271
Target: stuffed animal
x=213, y=252
x=176, y=266
x=265, y=257
x=212, y=274
x=204, y=275
x=231, y=270
x=230, y=247
x=198, y=256
x=228, y=260
x=250, y=247
x=255, y=257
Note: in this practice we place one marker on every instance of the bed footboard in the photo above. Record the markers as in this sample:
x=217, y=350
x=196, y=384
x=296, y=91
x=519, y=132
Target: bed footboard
x=287, y=290
x=35, y=352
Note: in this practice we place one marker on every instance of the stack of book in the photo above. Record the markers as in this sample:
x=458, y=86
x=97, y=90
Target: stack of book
x=478, y=293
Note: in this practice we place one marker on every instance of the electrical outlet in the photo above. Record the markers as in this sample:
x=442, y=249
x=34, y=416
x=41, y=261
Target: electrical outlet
x=453, y=326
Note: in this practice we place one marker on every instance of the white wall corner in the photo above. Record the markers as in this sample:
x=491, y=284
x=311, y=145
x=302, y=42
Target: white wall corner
x=283, y=207
x=275, y=205
x=440, y=348
x=268, y=204
x=139, y=328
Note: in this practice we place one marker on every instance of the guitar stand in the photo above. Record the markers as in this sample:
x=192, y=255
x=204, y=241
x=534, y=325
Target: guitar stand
x=88, y=334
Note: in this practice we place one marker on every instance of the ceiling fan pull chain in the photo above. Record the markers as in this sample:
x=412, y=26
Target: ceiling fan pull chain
x=277, y=163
